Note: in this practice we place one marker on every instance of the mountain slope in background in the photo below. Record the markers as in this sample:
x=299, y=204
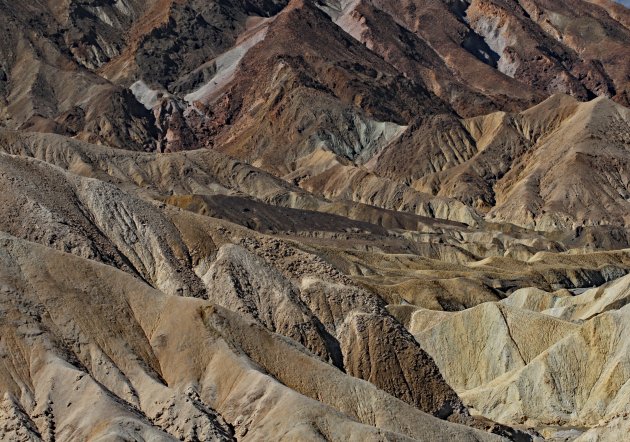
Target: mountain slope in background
x=386, y=88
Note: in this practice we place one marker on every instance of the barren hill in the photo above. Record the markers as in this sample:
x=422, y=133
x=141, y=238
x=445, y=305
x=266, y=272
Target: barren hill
x=314, y=220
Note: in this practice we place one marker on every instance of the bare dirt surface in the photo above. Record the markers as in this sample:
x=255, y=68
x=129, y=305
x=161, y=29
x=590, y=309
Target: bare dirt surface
x=314, y=220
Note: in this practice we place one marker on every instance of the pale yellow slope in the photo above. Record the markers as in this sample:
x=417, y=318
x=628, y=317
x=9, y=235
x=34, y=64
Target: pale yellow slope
x=172, y=361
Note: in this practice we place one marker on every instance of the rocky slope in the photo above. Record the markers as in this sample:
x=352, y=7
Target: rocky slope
x=542, y=168
x=167, y=76
x=168, y=367
x=550, y=372
x=267, y=282
x=314, y=220
x=323, y=287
